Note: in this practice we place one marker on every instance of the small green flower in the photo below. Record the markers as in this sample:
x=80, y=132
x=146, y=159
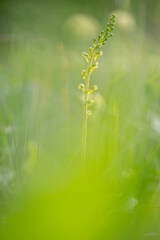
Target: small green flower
x=81, y=86
x=84, y=73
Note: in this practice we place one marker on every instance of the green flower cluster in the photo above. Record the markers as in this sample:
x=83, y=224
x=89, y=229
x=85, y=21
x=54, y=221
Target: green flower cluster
x=103, y=37
x=93, y=55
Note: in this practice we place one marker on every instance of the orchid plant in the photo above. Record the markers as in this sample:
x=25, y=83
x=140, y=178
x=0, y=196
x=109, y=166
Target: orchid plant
x=91, y=58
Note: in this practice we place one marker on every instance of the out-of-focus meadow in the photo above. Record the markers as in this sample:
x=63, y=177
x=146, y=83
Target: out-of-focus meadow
x=44, y=191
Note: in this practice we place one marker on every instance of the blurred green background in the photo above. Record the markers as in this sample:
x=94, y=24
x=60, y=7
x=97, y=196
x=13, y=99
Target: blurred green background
x=44, y=191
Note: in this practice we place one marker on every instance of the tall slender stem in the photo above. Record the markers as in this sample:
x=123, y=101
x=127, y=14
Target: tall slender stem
x=84, y=136
x=93, y=55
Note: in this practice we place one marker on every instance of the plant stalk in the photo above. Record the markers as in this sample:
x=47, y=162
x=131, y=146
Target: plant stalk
x=84, y=135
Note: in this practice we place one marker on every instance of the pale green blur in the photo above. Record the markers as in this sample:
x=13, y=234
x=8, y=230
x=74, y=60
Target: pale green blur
x=45, y=193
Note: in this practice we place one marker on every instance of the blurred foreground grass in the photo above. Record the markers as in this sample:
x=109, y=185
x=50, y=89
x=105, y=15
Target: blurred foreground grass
x=44, y=192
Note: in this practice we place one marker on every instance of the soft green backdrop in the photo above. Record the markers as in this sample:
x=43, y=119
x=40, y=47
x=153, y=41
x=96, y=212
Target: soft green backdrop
x=44, y=191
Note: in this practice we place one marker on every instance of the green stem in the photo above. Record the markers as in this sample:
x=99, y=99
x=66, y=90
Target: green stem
x=84, y=135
